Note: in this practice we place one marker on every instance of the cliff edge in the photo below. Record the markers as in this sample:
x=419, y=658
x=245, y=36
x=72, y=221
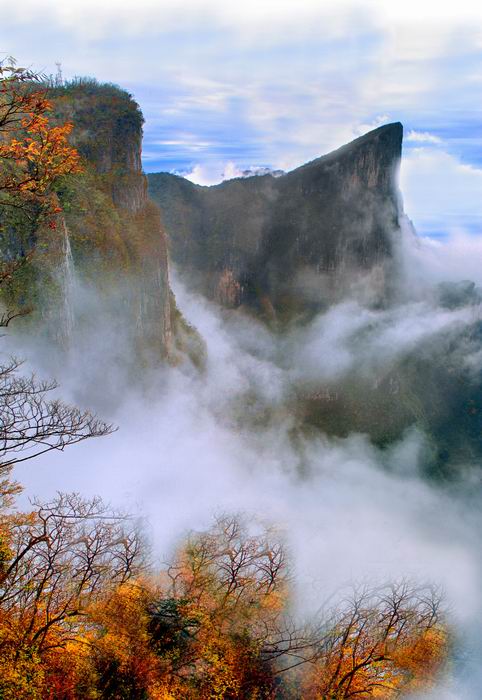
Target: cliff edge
x=106, y=262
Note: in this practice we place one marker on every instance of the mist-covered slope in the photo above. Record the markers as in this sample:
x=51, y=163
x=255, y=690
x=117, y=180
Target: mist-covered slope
x=290, y=245
x=377, y=350
x=328, y=424
x=366, y=350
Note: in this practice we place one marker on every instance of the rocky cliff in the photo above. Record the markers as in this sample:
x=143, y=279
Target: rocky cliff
x=109, y=237
x=290, y=245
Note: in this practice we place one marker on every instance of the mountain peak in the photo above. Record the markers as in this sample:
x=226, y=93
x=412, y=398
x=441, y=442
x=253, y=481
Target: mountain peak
x=291, y=245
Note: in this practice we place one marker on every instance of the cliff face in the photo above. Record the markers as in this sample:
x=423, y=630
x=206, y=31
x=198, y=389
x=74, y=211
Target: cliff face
x=109, y=237
x=115, y=231
x=108, y=134
x=291, y=245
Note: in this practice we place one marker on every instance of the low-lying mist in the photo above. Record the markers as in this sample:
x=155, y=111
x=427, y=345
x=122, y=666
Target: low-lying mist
x=246, y=435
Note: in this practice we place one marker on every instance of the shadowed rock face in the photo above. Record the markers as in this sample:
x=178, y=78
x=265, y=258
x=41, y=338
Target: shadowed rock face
x=289, y=246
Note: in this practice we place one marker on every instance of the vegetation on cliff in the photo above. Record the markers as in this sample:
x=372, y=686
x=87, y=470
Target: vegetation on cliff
x=108, y=227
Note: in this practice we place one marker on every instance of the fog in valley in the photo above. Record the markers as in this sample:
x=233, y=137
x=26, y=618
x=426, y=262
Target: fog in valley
x=229, y=438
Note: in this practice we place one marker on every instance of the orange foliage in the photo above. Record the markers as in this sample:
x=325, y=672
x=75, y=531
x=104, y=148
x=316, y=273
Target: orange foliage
x=33, y=153
x=232, y=589
x=126, y=664
x=215, y=626
x=381, y=643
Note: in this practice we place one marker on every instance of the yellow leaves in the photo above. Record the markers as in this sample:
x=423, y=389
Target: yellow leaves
x=21, y=675
x=70, y=673
x=383, y=643
x=36, y=153
x=215, y=626
x=121, y=639
x=423, y=656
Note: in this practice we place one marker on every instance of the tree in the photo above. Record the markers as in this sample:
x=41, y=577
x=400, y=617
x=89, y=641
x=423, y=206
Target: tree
x=223, y=607
x=219, y=627
x=378, y=643
x=55, y=560
x=35, y=156
x=33, y=153
x=63, y=557
x=31, y=424
x=83, y=620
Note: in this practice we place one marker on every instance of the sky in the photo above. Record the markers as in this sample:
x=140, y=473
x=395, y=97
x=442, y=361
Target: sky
x=227, y=86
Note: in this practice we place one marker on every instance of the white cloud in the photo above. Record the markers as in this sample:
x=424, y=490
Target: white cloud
x=190, y=145
x=427, y=261
x=294, y=79
x=211, y=173
x=250, y=18
x=422, y=137
x=349, y=336
x=214, y=173
x=203, y=175
x=230, y=171
x=440, y=190
x=378, y=121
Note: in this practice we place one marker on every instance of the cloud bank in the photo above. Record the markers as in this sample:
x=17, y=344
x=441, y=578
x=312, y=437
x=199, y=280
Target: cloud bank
x=225, y=440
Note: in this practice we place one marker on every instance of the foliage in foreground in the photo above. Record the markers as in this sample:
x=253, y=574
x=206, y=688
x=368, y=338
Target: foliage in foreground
x=81, y=616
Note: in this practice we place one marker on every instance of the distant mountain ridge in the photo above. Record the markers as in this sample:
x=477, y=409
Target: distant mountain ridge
x=262, y=170
x=288, y=246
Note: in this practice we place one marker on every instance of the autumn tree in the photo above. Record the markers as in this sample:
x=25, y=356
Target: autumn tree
x=199, y=630
x=378, y=643
x=56, y=557
x=220, y=622
x=125, y=662
x=215, y=624
x=34, y=154
x=35, y=157
x=63, y=556
x=218, y=625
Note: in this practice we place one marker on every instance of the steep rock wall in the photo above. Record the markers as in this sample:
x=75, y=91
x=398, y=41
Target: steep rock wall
x=289, y=246
x=117, y=244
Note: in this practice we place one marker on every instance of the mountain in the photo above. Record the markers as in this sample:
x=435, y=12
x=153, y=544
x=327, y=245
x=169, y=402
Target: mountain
x=107, y=258
x=291, y=245
x=282, y=247
x=288, y=248
x=261, y=170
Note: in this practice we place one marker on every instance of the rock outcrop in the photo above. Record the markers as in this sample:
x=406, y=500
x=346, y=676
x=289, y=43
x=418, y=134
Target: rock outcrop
x=113, y=233
x=290, y=245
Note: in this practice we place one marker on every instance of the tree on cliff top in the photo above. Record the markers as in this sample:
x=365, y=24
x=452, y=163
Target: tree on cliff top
x=33, y=153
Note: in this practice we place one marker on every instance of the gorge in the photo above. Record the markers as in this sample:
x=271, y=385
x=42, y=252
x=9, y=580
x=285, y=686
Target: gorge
x=283, y=367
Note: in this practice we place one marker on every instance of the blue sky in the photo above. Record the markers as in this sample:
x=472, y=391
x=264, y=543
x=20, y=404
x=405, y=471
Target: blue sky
x=226, y=86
